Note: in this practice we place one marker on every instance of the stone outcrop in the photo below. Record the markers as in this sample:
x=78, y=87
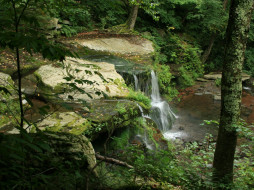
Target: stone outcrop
x=137, y=46
x=92, y=79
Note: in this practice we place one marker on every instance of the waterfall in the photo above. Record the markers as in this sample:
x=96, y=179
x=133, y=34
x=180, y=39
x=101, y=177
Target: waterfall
x=161, y=112
x=136, y=82
x=155, y=88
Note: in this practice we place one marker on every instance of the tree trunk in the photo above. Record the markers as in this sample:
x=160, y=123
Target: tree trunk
x=231, y=89
x=133, y=16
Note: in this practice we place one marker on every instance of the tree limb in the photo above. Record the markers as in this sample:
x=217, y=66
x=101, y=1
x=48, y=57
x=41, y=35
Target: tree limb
x=113, y=161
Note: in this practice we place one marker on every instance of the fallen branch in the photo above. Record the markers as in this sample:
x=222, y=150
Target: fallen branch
x=113, y=161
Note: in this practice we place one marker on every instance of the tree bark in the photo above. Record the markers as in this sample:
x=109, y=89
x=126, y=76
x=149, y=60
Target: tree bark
x=133, y=16
x=231, y=89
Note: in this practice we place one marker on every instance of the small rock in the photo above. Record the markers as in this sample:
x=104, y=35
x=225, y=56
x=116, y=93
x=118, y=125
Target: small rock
x=66, y=22
x=213, y=76
x=208, y=92
x=181, y=128
x=217, y=97
x=202, y=80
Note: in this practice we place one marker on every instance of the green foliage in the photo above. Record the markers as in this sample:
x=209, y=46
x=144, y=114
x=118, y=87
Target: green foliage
x=218, y=82
x=149, y=6
x=31, y=162
x=164, y=78
x=190, y=166
x=121, y=141
x=186, y=79
x=248, y=65
x=77, y=14
x=121, y=108
x=9, y=110
x=23, y=31
x=107, y=13
x=176, y=49
x=142, y=99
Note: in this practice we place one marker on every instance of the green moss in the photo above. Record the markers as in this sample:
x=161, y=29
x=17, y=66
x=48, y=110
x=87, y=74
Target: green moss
x=71, y=123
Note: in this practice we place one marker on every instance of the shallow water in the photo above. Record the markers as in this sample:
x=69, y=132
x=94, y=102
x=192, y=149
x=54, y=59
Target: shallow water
x=192, y=111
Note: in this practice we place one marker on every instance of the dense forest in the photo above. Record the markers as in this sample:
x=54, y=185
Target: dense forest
x=126, y=94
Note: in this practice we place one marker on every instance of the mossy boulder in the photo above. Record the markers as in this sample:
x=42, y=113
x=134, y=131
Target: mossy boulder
x=109, y=115
x=8, y=101
x=66, y=146
x=68, y=122
x=6, y=84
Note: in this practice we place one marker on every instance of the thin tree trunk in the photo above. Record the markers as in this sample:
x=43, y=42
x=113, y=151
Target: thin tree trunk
x=231, y=89
x=19, y=89
x=133, y=16
x=209, y=49
x=225, y=3
x=17, y=22
x=207, y=52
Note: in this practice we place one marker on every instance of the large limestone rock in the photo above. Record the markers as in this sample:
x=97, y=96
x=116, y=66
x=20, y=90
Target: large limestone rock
x=103, y=76
x=137, y=46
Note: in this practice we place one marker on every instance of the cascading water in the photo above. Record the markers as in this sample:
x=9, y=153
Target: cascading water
x=136, y=82
x=161, y=113
x=144, y=136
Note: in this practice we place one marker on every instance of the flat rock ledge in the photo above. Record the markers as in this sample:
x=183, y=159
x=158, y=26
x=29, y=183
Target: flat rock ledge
x=214, y=76
x=137, y=46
